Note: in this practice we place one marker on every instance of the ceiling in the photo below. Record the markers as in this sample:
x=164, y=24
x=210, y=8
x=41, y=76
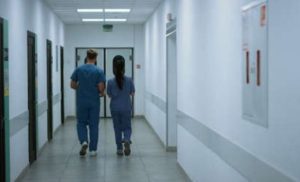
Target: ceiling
x=67, y=9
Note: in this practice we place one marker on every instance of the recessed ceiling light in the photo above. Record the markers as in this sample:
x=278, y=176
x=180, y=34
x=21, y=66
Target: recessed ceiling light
x=89, y=10
x=92, y=20
x=117, y=10
x=115, y=20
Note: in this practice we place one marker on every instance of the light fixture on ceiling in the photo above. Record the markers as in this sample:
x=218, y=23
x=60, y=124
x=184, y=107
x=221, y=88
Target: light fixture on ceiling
x=117, y=10
x=92, y=20
x=115, y=20
x=89, y=10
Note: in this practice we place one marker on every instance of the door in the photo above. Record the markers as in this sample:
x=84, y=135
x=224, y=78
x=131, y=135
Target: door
x=80, y=56
x=255, y=63
x=31, y=65
x=49, y=89
x=127, y=53
x=62, y=85
x=2, y=121
x=171, y=92
x=104, y=61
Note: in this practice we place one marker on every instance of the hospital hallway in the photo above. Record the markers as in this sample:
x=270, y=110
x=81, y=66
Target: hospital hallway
x=59, y=161
x=213, y=87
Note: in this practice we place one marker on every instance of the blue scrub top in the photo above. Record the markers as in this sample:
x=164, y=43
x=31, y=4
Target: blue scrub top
x=120, y=99
x=88, y=77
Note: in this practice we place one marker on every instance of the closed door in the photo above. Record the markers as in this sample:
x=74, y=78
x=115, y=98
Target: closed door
x=127, y=53
x=31, y=65
x=2, y=127
x=62, y=85
x=49, y=89
x=81, y=55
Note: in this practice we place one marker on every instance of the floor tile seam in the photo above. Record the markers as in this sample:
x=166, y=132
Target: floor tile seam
x=67, y=161
x=105, y=152
x=141, y=159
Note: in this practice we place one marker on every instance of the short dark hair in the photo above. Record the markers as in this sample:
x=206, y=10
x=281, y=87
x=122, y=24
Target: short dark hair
x=91, y=54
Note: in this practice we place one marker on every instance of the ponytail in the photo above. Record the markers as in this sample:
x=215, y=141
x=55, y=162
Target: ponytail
x=119, y=70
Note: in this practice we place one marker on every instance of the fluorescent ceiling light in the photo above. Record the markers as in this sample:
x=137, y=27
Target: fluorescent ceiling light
x=89, y=10
x=92, y=20
x=117, y=10
x=116, y=20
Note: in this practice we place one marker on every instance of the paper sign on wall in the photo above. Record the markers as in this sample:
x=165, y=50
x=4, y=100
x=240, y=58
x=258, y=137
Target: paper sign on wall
x=263, y=15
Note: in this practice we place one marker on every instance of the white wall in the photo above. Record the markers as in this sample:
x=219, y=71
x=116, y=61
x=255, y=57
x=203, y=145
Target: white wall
x=209, y=86
x=35, y=16
x=91, y=35
x=155, y=63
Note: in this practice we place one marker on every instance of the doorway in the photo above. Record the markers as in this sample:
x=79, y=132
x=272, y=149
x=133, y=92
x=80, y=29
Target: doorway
x=31, y=66
x=171, y=91
x=49, y=89
x=2, y=119
x=62, y=85
x=104, y=61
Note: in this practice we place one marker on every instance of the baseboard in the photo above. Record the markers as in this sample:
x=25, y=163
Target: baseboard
x=56, y=130
x=70, y=118
x=38, y=154
x=160, y=141
x=187, y=176
x=42, y=149
x=22, y=174
x=139, y=117
x=171, y=149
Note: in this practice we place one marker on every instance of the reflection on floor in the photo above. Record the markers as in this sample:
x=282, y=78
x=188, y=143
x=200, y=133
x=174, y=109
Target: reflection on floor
x=149, y=162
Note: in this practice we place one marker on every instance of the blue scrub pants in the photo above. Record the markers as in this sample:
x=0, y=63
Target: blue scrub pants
x=122, y=126
x=88, y=115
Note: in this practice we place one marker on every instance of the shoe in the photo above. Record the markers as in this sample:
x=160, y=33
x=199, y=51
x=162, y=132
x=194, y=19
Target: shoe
x=93, y=153
x=120, y=152
x=83, y=149
x=127, y=150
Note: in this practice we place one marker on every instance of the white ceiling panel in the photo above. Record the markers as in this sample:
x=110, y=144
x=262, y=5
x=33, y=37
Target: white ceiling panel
x=67, y=9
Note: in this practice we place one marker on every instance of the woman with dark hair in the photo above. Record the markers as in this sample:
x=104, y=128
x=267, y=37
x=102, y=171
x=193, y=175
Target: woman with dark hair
x=119, y=89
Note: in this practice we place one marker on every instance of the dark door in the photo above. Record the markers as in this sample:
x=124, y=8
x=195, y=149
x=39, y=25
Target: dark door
x=32, y=96
x=2, y=127
x=62, y=85
x=49, y=89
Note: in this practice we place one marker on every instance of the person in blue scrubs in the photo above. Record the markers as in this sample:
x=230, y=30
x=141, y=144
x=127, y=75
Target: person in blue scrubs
x=120, y=89
x=89, y=83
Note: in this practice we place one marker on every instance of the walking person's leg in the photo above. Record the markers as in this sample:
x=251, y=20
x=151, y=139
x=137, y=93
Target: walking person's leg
x=82, y=117
x=127, y=130
x=94, y=128
x=118, y=131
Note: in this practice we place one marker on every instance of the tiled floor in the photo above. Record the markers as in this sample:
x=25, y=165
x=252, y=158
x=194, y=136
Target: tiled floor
x=149, y=162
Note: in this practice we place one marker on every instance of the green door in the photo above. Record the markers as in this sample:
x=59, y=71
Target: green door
x=2, y=121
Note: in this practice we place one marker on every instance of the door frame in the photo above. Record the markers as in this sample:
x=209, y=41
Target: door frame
x=49, y=59
x=104, y=69
x=2, y=115
x=171, y=31
x=62, y=106
x=32, y=99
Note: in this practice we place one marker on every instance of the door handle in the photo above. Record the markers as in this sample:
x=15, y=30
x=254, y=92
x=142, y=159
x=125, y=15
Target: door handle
x=247, y=67
x=258, y=68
